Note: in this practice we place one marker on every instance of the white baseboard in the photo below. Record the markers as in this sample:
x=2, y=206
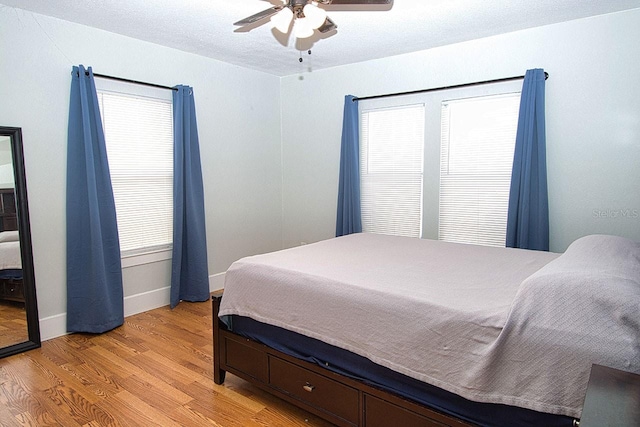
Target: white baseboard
x=53, y=326
x=146, y=301
x=216, y=282
x=56, y=326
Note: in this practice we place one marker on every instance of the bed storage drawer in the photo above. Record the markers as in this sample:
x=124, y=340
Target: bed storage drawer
x=314, y=389
x=12, y=290
x=379, y=413
x=246, y=359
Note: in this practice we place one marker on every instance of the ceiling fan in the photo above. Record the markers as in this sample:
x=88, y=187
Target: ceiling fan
x=305, y=15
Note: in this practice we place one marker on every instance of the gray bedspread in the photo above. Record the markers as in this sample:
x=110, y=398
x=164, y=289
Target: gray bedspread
x=491, y=324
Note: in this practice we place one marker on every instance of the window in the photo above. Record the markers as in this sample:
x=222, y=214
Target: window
x=138, y=127
x=391, y=170
x=477, y=145
x=437, y=164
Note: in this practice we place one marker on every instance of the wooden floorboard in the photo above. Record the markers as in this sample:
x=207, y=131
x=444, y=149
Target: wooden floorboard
x=155, y=370
x=13, y=323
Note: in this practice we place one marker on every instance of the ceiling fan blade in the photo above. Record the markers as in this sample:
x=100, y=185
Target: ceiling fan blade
x=259, y=16
x=328, y=25
x=363, y=2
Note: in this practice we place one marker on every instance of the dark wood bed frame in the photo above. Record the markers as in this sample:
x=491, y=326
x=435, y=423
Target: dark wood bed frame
x=336, y=398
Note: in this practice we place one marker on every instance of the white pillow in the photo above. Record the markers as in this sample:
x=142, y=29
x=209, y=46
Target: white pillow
x=9, y=236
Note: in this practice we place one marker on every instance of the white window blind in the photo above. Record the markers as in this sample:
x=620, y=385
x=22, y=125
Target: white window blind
x=139, y=138
x=391, y=170
x=477, y=146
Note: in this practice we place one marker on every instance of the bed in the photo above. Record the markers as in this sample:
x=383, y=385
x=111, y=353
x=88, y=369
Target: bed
x=429, y=332
x=11, y=287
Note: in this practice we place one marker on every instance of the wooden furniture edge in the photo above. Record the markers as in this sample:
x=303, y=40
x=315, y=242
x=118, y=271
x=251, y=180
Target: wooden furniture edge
x=220, y=333
x=218, y=373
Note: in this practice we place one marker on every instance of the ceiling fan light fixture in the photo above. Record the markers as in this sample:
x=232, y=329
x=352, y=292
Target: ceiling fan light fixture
x=314, y=14
x=281, y=21
x=301, y=17
x=303, y=28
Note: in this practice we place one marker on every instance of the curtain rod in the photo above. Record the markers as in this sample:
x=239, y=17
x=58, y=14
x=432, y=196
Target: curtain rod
x=506, y=79
x=120, y=79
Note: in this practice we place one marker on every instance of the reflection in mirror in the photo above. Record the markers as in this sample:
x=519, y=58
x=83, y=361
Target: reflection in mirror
x=13, y=317
x=19, y=329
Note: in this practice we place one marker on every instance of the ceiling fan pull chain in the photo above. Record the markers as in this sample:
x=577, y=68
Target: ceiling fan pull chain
x=300, y=58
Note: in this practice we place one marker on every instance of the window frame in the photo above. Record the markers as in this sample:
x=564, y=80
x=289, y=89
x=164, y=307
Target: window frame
x=407, y=180
x=490, y=218
x=156, y=253
x=432, y=100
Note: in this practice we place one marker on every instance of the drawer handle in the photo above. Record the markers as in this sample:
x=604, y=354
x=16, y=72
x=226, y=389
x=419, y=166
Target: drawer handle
x=308, y=387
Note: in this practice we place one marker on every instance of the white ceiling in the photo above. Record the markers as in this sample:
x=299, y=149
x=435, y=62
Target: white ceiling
x=205, y=27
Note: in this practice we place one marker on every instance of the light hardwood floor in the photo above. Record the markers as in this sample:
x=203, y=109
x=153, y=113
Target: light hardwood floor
x=156, y=369
x=13, y=323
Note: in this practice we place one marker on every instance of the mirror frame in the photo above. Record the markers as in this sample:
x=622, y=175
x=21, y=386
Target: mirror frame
x=28, y=277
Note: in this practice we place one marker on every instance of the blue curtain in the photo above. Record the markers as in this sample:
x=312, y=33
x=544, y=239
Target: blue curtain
x=528, y=215
x=94, y=273
x=349, y=218
x=189, y=271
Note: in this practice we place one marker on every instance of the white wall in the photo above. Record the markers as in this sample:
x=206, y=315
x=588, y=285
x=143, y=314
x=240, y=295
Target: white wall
x=265, y=187
x=592, y=111
x=239, y=127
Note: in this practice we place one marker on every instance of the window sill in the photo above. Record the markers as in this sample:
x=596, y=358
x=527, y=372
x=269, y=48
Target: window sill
x=146, y=258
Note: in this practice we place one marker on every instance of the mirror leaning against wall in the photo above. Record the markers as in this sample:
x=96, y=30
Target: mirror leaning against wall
x=19, y=323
